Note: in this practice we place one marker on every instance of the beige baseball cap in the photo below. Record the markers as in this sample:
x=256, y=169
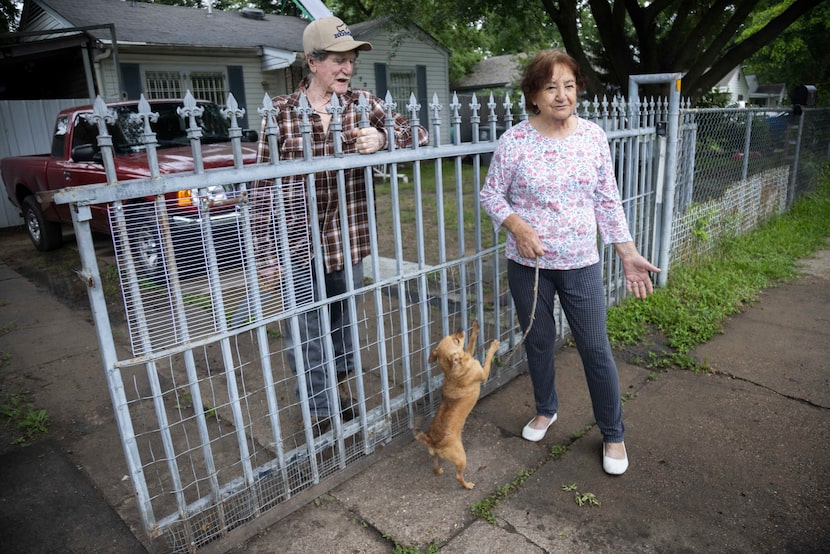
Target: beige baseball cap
x=332, y=35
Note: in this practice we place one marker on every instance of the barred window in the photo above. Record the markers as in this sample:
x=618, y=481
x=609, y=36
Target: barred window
x=209, y=85
x=401, y=85
x=163, y=84
x=168, y=83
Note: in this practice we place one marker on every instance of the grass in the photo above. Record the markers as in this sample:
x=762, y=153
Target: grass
x=428, y=199
x=699, y=297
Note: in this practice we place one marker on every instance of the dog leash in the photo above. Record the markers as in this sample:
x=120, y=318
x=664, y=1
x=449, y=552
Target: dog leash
x=532, y=312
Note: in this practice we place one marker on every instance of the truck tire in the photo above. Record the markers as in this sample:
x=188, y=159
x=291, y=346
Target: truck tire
x=45, y=235
x=147, y=248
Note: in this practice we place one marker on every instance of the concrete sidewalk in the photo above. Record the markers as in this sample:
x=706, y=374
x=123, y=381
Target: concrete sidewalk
x=734, y=461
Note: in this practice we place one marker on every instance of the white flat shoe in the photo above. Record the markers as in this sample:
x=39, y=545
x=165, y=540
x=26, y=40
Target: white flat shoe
x=535, y=435
x=614, y=466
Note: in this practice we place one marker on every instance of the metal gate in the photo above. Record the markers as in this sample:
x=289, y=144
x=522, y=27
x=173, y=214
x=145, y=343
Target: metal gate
x=216, y=429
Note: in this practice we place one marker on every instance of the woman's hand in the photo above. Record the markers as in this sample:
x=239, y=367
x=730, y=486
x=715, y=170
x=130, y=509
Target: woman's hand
x=637, y=270
x=527, y=240
x=369, y=139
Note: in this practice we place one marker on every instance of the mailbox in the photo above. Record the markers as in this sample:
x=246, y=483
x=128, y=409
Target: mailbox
x=805, y=95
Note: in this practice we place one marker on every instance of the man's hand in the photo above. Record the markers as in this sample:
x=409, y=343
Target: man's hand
x=369, y=139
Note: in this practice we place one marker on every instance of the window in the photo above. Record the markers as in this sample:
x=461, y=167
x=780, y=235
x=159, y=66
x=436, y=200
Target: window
x=172, y=83
x=209, y=85
x=163, y=84
x=401, y=86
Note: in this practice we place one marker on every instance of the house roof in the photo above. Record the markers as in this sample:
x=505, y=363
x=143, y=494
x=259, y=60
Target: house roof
x=366, y=29
x=158, y=24
x=494, y=72
x=727, y=79
x=770, y=90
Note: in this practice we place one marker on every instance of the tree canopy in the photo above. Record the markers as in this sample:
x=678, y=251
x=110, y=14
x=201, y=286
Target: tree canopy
x=798, y=55
x=8, y=15
x=702, y=39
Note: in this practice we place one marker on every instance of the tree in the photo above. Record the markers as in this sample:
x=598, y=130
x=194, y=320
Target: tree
x=799, y=55
x=8, y=16
x=700, y=38
x=611, y=39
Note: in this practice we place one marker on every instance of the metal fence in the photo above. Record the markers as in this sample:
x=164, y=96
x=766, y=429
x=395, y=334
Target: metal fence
x=214, y=434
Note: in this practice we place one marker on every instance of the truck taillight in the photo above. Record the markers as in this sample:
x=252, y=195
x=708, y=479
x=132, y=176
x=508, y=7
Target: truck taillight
x=184, y=198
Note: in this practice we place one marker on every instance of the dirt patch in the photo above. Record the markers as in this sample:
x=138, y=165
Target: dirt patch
x=57, y=271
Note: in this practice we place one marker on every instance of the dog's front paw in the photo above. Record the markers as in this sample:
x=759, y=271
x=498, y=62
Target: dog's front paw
x=494, y=345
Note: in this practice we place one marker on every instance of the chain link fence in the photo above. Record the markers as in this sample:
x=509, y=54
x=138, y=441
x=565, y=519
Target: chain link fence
x=738, y=167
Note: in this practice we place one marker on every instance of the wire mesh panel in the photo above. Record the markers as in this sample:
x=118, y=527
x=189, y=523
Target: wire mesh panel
x=178, y=266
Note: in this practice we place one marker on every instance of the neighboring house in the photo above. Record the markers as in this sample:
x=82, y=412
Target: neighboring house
x=744, y=90
x=735, y=84
x=499, y=74
x=766, y=96
x=121, y=49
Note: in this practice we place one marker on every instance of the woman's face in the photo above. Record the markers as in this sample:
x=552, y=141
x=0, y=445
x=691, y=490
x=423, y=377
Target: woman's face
x=557, y=99
x=334, y=73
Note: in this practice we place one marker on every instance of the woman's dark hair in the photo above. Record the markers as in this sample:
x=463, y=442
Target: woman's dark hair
x=538, y=73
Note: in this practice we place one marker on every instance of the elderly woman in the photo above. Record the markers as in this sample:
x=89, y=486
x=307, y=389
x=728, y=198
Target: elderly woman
x=551, y=185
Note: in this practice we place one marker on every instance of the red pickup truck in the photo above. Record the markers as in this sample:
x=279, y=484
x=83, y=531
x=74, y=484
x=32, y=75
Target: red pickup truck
x=76, y=160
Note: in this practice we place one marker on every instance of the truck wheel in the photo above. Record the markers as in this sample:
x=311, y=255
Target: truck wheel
x=147, y=249
x=45, y=235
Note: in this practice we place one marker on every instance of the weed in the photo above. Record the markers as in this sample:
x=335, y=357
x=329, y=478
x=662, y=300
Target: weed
x=5, y=357
x=483, y=509
x=586, y=498
x=557, y=451
x=400, y=549
x=30, y=422
x=581, y=498
x=578, y=434
x=184, y=399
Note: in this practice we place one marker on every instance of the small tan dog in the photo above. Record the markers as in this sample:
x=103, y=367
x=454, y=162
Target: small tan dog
x=463, y=376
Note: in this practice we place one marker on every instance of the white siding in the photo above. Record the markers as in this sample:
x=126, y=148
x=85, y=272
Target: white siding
x=410, y=52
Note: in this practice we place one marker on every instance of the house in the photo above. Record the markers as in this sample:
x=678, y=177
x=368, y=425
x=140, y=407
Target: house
x=735, y=84
x=119, y=49
x=766, y=96
x=499, y=74
x=745, y=90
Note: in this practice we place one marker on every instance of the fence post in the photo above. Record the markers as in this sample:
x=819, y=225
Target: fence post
x=794, y=168
x=673, y=79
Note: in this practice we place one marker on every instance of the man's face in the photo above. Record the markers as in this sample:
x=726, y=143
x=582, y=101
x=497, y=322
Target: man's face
x=335, y=72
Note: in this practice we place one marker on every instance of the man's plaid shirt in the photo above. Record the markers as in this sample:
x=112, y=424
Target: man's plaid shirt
x=290, y=143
